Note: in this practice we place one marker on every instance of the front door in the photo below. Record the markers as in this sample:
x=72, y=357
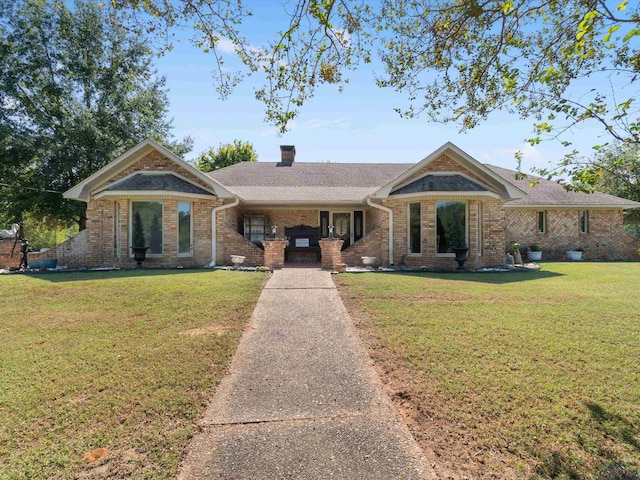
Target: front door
x=342, y=227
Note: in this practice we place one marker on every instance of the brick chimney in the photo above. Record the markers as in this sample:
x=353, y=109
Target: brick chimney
x=287, y=154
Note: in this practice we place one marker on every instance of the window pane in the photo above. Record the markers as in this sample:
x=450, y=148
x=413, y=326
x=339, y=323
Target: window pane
x=414, y=228
x=541, y=222
x=584, y=221
x=146, y=229
x=184, y=228
x=451, y=225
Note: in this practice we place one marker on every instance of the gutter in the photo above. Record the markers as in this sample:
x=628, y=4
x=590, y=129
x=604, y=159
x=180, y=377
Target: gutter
x=390, y=213
x=214, y=241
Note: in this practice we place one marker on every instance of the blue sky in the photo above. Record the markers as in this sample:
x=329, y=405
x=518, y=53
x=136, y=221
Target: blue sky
x=355, y=125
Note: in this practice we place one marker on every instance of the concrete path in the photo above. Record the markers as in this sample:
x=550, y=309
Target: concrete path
x=302, y=400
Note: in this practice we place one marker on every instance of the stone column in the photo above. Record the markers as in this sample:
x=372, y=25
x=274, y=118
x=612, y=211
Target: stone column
x=330, y=251
x=274, y=252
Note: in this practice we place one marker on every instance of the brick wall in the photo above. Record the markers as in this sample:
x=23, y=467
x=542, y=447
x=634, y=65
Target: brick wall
x=235, y=244
x=442, y=164
x=486, y=238
x=285, y=218
x=6, y=260
x=108, y=243
x=606, y=239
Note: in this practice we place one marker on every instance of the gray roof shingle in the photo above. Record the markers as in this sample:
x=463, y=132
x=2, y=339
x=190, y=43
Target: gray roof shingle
x=549, y=193
x=307, y=182
x=441, y=183
x=271, y=182
x=157, y=182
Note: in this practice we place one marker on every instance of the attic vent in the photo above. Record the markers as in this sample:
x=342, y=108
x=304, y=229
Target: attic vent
x=287, y=154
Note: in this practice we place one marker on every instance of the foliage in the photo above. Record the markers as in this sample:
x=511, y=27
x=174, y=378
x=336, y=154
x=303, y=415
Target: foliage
x=46, y=232
x=561, y=63
x=226, y=155
x=516, y=375
x=107, y=360
x=76, y=90
x=138, y=232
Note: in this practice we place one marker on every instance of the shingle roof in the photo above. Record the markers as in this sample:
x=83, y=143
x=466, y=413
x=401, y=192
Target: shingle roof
x=549, y=193
x=441, y=183
x=304, y=182
x=157, y=182
x=271, y=182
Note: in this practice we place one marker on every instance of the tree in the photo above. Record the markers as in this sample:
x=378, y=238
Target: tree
x=561, y=63
x=614, y=170
x=226, y=155
x=76, y=89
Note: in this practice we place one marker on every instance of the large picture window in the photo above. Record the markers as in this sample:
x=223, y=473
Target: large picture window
x=184, y=229
x=146, y=226
x=451, y=219
x=415, y=240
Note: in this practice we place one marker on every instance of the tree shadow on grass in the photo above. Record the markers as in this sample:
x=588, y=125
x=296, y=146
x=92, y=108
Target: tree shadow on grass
x=495, y=278
x=86, y=275
x=615, y=426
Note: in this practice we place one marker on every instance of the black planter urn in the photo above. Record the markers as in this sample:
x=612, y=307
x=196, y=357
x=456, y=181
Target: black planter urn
x=461, y=256
x=139, y=255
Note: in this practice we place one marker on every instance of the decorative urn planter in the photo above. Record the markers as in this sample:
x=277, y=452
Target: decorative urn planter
x=369, y=261
x=139, y=255
x=534, y=256
x=461, y=256
x=237, y=260
x=574, y=255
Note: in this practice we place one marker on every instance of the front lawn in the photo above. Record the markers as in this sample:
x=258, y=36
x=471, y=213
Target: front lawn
x=124, y=361
x=521, y=375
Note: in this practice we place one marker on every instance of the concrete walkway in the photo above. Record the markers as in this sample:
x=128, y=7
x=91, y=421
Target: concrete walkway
x=302, y=400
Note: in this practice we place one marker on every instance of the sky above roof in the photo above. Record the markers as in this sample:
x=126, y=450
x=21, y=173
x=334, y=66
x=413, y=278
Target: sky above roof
x=355, y=125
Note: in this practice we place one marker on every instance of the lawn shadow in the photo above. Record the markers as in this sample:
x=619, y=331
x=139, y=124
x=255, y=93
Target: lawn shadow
x=615, y=426
x=496, y=278
x=85, y=275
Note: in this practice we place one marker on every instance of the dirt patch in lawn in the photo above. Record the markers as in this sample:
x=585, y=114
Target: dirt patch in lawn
x=445, y=444
x=209, y=330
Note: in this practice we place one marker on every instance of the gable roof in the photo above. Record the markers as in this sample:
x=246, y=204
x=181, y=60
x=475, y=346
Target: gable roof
x=82, y=190
x=145, y=182
x=500, y=185
x=440, y=183
x=549, y=194
x=300, y=182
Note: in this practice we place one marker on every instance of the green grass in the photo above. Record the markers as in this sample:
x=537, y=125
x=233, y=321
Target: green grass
x=120, y=360
x=520, y=375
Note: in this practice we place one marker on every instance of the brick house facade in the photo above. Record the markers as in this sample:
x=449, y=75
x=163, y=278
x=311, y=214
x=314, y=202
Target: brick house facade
x=402, y=214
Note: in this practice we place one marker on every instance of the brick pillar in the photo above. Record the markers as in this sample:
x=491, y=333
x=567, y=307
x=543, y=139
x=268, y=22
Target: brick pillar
x=330, y=251
x=274, y=252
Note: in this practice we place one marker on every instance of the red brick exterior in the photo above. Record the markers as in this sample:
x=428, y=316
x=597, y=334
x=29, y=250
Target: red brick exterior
x=274, y=253
x=106, y=243
x=330, y=251
x=606, y=238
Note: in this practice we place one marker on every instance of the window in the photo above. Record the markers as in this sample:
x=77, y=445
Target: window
x=415, y=242
x=542, y=222
x=479, y=239
x=146, y=226
x=184, y=229
x=584, y=221
x=451, y=220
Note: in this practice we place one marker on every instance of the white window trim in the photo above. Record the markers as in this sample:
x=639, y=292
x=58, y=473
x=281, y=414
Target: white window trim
x=190, y=252
x=466, y=227
x=150, y=255
x=409, y=252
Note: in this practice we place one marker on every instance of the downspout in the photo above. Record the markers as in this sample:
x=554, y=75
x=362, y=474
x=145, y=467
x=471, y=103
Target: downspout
x=390, y=212
x=214, y=242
